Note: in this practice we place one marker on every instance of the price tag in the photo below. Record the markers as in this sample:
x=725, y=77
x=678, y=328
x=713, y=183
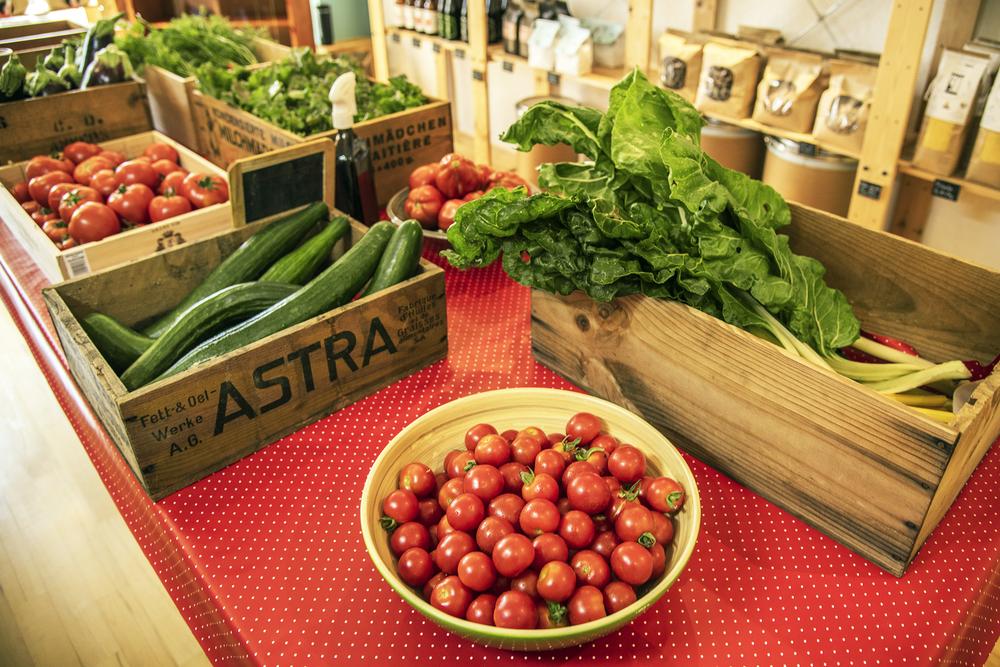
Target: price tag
x=807, y=149
x=477, y=75
x=395, y=38
x=870, y=190
x=945, y=189
x=508, y=66
x=416, y=42
x=436, y=47
x=553, y=79
x=460, y=54
x=76, y=263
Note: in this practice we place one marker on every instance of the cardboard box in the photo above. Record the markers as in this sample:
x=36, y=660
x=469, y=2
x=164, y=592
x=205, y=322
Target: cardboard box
x=871, y=473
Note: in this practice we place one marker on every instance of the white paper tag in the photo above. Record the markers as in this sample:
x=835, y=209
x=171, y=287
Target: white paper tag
x=76, y=263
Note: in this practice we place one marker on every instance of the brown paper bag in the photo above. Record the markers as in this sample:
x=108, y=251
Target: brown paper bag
x=844, y=106
x=950, y=99
x=728, y=79
x=984, y=164
x=788, y=93
x=680, y=63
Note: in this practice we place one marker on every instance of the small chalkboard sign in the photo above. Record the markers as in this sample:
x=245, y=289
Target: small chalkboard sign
x=807, y=149
x=395, y=38
x=553, y=79
x=272, y=184
x=508, y=66
x=870, y=190
x=945, y=189
x=436, y=47
x=477, y=75
x=416, y=42
x=460, y=54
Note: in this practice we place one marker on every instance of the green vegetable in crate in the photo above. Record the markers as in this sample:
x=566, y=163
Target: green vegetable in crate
x=300, y=265
x=248, y=261
x=69, y=72
x=400, y=259
x=334, y=287
x=229, y=305
x=110, y=65
x=12, y=76
x=99, y=36
x=43, y=81
x=119, y=344
x=54, y=60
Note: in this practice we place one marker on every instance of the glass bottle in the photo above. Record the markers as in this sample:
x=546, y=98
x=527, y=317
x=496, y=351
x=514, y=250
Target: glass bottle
x=408, y=15
x=511, y=28
x=463, y=20
x=431, y=17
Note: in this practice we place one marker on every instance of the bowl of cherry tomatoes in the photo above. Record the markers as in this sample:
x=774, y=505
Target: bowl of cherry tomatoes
x=530, y=519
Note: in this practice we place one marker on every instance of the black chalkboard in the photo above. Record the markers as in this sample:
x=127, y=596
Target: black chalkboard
x=870, y=190
x=283, y=186
x=945, y=189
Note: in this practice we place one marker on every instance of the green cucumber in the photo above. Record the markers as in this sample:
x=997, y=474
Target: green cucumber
x=334, y=287
x=248, y=261
x=119, y=344
x=300, y=265
x=228, y=306
x=400, y=259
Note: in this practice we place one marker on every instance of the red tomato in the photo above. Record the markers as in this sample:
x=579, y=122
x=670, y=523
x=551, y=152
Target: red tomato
x=409, y=535
x=114, y=157
x=76, y=198
x=551, y=615
x=566, y=449
x=93, y=222
x=86, y=169
x=622, y=502
x=605, y=543
x=492, y=450
x=459, y=464
x=450, y=550
x=511, y=472
x=524, y=450
x=31, y=206
x=627, y=464
x=452, y=489
x=484, y=481
x=590, y=568
x=165, y=167
x=536, y=434
x=400, y=506
x=490, y=531
x=595, y=457
x=56, y=194
x=481, y=609
x=515, y=610
x=145, y=159
x=614, y=486
x=423, y=205
x=577, y=529
x=56, y=230
x=635, y=524
x=509, y=435
x=664, y=494
x=632, y=563
x=104, y=182
x=452, y=597
x=539, y=486
x=430, y=511
x=617, y=596
x=131, y=202
x=663, y=529
x=606, y=442
x=588, y=493
x=443, y=528
x=78, y=151
x=587, y=604
x=67, y=243
x=556, y=581
x=472, y=196
x=539, y=516
x=160, y=151
x=550, y=463
x=133, y=172
x=549, y=547
x=432, y=584
x=40, y=186
x=476, y=571
x=446, y=215
x=447, y=462
x=415, y=567
x=507, y=506
x=507, y=180
x=584, y=426
x=423, y=175
x=465, y=512
x=42, y=215
x=42, y=164
x=456, y=176
x=484, y=172
x=575, y=469
x=169, y=205
x=172, y=181
x=659, y=556
x=20, y=192
x=417, y=478
x=512, y=555
x=526, y=582
x=476, y=433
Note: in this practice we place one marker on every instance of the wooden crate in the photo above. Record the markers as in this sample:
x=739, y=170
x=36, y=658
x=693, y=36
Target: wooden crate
x=180, y=429
x=45, y=124
x=866, y=470
x=399, y=142
x=38, y=34
x=58, y=264
x=170, y=95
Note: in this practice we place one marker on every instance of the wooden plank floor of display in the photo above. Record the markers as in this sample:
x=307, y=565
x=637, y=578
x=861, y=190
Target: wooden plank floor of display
x=265, y=562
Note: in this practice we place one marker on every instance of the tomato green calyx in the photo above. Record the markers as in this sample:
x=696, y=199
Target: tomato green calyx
x=630, y=492
x=469, y=466
x=647, y=540
x=674, y=499
x=45, y=210
x=570, y=445
x=582, y=454
x=388, y=523
x=207, y=183
x=557, y=612
x=527, y=477
x=121, y=189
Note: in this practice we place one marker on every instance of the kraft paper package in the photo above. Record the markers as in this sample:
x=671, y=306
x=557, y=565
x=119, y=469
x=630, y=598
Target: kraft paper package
x=728, y=79
x=984, y=164
x=680, y=63
x=844, y=106
x=789, y=91
x=951, y=97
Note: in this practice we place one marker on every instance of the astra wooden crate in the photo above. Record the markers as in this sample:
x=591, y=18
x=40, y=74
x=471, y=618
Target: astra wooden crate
x=866, y=470
x=58, y=264
x=399, y=142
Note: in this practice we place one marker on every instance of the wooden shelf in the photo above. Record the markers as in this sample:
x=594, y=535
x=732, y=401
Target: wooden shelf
x=415, y=38
x=978, y=189
x=600, y=77
x=801, y=137
x=256, y=23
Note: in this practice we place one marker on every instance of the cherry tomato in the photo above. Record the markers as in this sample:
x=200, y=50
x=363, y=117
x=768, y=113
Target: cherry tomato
x=632, y=563
x=76, y=198
x=617, y=596
x=605, y=543
x=608, y=443
x=430, y=512
x=20, y=192
x=411, y=534
x=490, y=531
x=86, y=169
x=78, y=151
x=590, y=568
x=566, y=450
x=524, y=450
x=663, y=529
x=534, y=433
x=509, y=435
x=577, y=528
x=492, y=450
x=511, y=472
x=161, y=151
x=432, y=584
x=133, y=172
x=664, y=494
x=659, y=556
x=555, y=438
x=459, y=463
x=556, y=581
x=93, y=222
x=526, y=582
x=622, y=502
x=539, y=486
x=513, y=554
x=550, y=463
x=577, y=468
x=452, y=489
x=55, y=229
x=549, y=547
x=588, y=493
x=635, y=524
x=507, y=506
x=104, y=182
x=30, y=207
x=563, y=505
x=614, y=486
x=539, y=516
x=447, y=462
x=56, y=194
x=415, y=567
x=42, y=164
x=417, y=478
x=587, y=604
x=40, y=186
x=627, y=464
x=476, y=571
x=515, y=610
x=114, y=157
x=584, y=426
x=172, y=181
x=551, y=615
x=465, y=512
x=481, y=609
x=474, y=434
x=452, y=597
x=424, y=175
x=484, y=481
x=67, y=243
x=443, y=528
x=43, y=215
x=400, y=505
x=163, y=168
x=595, y=457
x=450, y=550
x=204, y=190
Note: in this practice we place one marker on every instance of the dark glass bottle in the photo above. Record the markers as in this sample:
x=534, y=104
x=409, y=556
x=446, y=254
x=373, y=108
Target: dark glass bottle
x=463, y=20
x=448, y=19
x=512, y=28
x=355, y=193
x=494, y=21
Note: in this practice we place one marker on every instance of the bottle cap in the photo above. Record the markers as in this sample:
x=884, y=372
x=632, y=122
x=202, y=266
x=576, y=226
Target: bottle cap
x=342, y=99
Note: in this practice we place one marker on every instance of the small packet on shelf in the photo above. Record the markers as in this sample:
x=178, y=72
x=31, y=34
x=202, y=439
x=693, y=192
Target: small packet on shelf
x=680, y=63
x=789, y=91
x=844, y=106
x=728, y=79
x=984, y=164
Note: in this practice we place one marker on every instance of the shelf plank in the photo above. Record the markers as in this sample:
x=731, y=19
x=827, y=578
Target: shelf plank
x=802, y=137
x=978, y=189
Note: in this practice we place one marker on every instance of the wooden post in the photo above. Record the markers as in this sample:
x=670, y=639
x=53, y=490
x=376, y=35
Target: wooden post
x=442, y=66
x=890, y=112
x=913, y=203
x=380, y=53
x=300, y=23
x=638, y=32
x=478, y=37
x=705, y=15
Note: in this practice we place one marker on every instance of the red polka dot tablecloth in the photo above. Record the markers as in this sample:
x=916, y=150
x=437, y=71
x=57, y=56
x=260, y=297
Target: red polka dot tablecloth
x=264, y=559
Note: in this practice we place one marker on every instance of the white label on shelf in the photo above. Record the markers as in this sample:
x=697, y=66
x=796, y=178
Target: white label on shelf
x=76, y=263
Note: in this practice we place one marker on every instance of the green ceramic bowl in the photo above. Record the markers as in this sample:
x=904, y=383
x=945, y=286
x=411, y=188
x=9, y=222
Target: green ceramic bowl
x=442, y=429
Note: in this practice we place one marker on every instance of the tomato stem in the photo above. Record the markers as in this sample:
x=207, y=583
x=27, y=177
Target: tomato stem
x=388, y=523
x=647, y=540
x=469, y=466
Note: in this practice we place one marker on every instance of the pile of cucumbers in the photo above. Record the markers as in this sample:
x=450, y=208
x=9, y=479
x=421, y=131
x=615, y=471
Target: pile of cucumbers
x=273, y=281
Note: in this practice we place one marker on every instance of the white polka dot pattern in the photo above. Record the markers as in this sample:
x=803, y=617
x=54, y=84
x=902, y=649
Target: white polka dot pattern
x=266, y=556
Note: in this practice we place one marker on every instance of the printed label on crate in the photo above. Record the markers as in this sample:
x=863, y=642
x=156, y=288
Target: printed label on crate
x=397, y=144
x=76, y=263
x=227, y=129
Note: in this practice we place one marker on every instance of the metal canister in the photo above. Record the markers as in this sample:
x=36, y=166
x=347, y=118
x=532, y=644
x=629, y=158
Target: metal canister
x=734, y=147
x=805, y=174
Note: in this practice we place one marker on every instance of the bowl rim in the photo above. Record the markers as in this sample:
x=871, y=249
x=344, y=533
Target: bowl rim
x=396, y=220
x=465, y=627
